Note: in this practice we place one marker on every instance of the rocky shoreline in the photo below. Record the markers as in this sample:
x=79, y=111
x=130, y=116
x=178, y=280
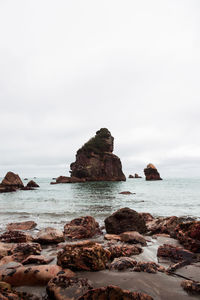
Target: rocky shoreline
x=134, y=256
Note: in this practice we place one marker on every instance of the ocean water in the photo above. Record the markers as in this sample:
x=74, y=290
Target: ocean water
x=54, y=205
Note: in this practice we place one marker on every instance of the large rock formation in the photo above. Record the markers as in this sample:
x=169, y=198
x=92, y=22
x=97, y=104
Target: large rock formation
x=11, y=183
x=95, y=160
x=151, y=173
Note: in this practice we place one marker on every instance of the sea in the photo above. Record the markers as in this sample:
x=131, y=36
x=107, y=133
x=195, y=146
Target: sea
x=54, y=205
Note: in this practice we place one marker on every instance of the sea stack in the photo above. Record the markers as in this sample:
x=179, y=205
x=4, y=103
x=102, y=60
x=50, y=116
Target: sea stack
x=151, y=173
x=95, y=160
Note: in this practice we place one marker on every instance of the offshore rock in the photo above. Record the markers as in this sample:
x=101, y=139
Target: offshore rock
x=83, y=256
x=12, y=180
x=32, y=184
x=49, y=235
x=63, y=287
x=125, y=219
x=27, y=225
x=151, y=173
x=188, y=234
x=112, y=292
x=65, y=179
x=81, y=228
x=95, y=160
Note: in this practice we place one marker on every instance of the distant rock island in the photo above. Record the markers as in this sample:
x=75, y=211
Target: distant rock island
x=95, y=160
x=151, y=173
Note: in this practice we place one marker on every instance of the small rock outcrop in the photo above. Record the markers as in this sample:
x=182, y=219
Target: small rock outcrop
x=125, y=219
x=49, y=235
x=188, y=235
x=32, y=184
x=15, y=236
x=95, y=160
x=64, y=287
x=81, y=228
x=112, y=292
x=83, y=256
x=151, y=173
x=134, y=176
x=27, y=225
x=191, y=287
x=175, y=253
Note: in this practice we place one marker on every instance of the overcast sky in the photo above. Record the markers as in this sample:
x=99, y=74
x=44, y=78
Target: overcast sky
x=68, y=68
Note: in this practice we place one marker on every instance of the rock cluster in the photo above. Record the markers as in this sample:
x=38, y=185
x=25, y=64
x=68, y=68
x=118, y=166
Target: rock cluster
x=25, y=258
x=134, y=176
x=12, y=182
x=95, y=160
x=151, y=173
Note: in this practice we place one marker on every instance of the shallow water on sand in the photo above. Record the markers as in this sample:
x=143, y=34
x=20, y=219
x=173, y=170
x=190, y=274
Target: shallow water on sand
x=53, y=205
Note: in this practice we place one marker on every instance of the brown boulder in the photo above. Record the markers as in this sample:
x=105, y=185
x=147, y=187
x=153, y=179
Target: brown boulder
x=112, y=292
x=37, y=260
x=32, y=184
x=151, y=173
x=35, y=275
x=122, y=263
x=5, y=249
x=27, y=225
x=13, y=180
x=191, y=287
x=81, y=228
x=83, y=256
x=15, y=236
x=95, y=160
x=188, y=234
x=175, y=253
x=22, y=250
x=148, y=267
x=133, y=237
x=49, y=235
x=63, y=287
x=125, y=219
x=163, y=225
x=123, y=250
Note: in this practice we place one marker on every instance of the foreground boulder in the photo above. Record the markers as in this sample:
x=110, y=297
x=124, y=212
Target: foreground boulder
x=32, y=184
x=125, y=219
x=112, y=292
x=27, y=225
x=81, y=228
x=175, y=253
x=95, y=160
x=12, y=180
x=14, y=236
x=123, y=250
x=133, y=237
x=63, y=287
x=151, y=173
x=162, y=225
x=188, y=234
x=49, y=235
x=35, y=275
x=192, y=287
x=83, y=256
